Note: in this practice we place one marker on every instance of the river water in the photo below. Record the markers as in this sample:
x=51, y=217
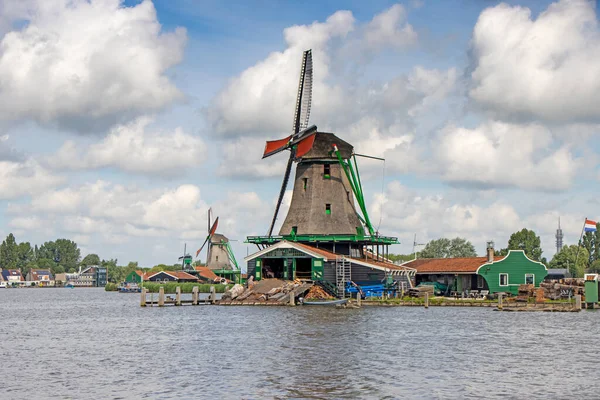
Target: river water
x=87, y=343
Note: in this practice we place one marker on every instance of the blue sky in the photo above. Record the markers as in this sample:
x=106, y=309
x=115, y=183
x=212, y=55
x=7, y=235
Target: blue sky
x=132, y=118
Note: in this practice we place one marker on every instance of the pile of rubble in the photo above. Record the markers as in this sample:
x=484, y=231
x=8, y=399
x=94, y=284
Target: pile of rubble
x=525, y=292
x=563, y=288
x=317, y=293
x=266, y=291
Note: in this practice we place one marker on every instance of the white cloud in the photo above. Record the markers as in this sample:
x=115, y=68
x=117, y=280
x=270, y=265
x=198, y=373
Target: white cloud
x=242, y=158
x=545, y=68
x=390, y=29
x=87, y=64
x=494, y=154
x=22, y=178
x=497, y=154
x=131, y=148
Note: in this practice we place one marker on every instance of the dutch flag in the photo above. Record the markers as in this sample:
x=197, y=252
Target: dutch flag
x=590, y=226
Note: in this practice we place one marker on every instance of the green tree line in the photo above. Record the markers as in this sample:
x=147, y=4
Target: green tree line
x=63, y=255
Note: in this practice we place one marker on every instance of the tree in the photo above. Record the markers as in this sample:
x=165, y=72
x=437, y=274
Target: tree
x=595, y=267
x=527, y=241
x=59, y=269
x=566, y=259
x=448, y=248
x=591, y=242
x=25, y=256
x=90, y=259
x=62, y=252
x=9, y=252
x=68, y=253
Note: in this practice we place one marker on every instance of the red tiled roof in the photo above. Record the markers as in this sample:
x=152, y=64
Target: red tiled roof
x=448, y=265
x=206, y=272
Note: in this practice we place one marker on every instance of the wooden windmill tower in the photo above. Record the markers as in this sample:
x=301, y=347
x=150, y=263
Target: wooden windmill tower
x=219, y=255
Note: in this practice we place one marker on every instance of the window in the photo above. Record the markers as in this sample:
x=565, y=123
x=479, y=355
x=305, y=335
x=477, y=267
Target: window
x=479, y=282
x=503, y=279
x=305, y=184
x=217, y=259
x=294, y=230
x=529, y=279
x=326, y=171
x=327, y=209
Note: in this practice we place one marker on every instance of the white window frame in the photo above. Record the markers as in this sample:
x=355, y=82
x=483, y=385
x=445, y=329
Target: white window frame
x=500, y=279
x=532, y=277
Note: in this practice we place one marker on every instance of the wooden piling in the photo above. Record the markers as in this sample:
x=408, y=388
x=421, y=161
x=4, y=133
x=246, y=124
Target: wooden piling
x=143, y=297
x=161, y=296
x=358, y=299
x=578, y=302
x=500, y=306
x=178, y=296
x=195, y=296
x=292, y=299
x=213, y=295
x=426, y=300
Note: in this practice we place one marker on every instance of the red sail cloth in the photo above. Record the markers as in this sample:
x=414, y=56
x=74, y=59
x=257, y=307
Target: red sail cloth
x=305, y=145
x=274, y=146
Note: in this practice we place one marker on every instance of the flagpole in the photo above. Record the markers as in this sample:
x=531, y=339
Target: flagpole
x=579, y=243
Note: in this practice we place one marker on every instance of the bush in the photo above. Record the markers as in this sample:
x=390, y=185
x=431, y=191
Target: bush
x=111, y=287
x=152, y=287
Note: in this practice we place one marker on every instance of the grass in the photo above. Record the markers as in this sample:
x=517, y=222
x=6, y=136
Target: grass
x=153, y=287
x=110, y=287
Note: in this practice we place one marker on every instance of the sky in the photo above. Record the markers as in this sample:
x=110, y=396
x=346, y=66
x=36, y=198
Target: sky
x=123, y=122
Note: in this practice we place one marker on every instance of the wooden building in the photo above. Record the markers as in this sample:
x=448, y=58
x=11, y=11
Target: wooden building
x=294, y=260
x=513, y=270
x=493, y=274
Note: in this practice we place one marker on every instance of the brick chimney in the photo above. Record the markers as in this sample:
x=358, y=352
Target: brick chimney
x=490, y=251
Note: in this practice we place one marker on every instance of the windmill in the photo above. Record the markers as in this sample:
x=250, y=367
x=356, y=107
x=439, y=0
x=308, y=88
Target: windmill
x=325, y=182
x=219, y=255
x=302, y=137
x=415, y=244
x=186, y=259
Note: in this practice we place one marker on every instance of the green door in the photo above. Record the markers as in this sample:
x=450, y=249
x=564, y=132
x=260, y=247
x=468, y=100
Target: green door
x=285, y=269
x=317, y=269
x=258, y=270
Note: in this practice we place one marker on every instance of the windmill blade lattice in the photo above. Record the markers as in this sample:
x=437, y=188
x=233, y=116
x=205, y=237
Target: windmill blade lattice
x=301, y=116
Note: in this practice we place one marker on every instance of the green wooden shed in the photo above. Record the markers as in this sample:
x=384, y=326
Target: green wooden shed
x=513, y=270
x=134, y=276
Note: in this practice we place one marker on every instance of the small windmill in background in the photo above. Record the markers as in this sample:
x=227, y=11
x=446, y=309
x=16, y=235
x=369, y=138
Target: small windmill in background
x=415, y=245
x=219, y=255
x=186, y=259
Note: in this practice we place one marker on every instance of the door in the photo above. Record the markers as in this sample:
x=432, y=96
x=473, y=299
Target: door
x=317, y=269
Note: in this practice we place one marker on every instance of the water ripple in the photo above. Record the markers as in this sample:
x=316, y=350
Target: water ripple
x=85, y=343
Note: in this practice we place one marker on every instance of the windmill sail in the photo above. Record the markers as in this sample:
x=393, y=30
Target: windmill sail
x=210, y=235
x=301, y=116
x=304, y=99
